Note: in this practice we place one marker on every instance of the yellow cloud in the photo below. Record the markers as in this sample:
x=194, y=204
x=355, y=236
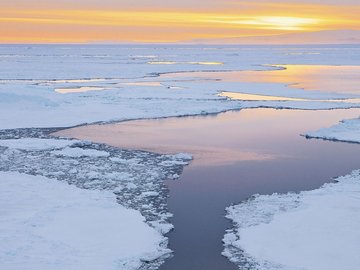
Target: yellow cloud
x=164, y=25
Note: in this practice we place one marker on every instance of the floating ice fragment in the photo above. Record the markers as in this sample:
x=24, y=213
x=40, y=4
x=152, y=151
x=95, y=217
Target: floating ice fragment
x=150, y=194
x=35, y=144
x=79, y=152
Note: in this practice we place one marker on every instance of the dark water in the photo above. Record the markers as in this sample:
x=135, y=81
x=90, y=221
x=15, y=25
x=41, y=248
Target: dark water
x=237, y=154
x=198, y=200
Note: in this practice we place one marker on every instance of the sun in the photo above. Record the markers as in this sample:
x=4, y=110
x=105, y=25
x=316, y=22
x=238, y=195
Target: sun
x=286, y=23
x=270, y=22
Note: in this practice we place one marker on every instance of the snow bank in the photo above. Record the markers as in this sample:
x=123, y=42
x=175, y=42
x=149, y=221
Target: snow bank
x=316, y=229
x=47, y=224
x=36, y=144
x=346, y=130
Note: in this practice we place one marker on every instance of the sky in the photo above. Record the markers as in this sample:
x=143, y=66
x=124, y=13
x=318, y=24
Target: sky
x=97, y=21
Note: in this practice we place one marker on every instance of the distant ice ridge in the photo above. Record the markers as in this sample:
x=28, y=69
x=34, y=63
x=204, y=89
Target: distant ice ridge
x=135, y=178
x=346, y=131
x=47, y=224
x=312, y=230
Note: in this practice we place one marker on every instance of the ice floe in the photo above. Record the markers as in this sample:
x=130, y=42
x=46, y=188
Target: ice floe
x=346, y=131
x=47, y=224
x=312, y=230
x=134, y=178
x=36, y=143
x=79, y=152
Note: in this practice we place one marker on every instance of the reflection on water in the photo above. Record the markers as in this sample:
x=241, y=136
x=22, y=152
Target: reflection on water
x=340, y=79
x=142, y=83
x=169, y=136
x=237, y=154
x=78, y=89
x=231, y=135
x=252, y=97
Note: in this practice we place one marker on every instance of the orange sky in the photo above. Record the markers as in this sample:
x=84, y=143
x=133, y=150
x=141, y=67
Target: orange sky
x=50, y=21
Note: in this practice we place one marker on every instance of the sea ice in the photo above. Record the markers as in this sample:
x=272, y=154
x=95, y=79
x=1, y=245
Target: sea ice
x=47, y=224
x=29, y=99
x=30, y=104
x=346, y=131
x=87, y=166
x=36, y=144
x=312, y=230
x=79, y=152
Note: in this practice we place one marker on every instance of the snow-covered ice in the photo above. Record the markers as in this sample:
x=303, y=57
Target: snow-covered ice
x=47, y=224
x=36, y=144
x=30, y=83
x=46, y=88
x=346, y=131
x=135, y=179
x=97, y=166
x=312, y=230
x=79, y=152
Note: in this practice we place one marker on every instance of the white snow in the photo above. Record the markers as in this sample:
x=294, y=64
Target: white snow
x=150, y=194
x=96, y=167
x=161, y=227
x=47, y=224
x=183, y=156
x=79, y=152
x=52, y=225
x=36, y=144
x=313, y=230
x=346, y=130
x=29, y=89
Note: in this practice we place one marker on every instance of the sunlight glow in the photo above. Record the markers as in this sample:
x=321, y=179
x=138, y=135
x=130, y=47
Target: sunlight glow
x=280, y=23
x=158, y=25
x=255, y=97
